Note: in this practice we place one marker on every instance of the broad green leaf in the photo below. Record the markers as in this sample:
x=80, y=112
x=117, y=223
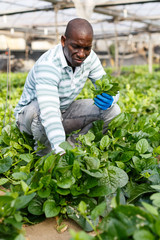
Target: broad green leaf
x=104, y=143
x=76, y=170
x=19, y=175
x=114, y=178
x=92, y=163
x=44, y=192
x=93, y=173
x=66, y=146
x=94, y=151
x=23, y=201
x=155, y=199
x=62, y=191
x=100, y=191
x=25, y=187
x=45, y=180
x=79, y=219
x=120, y=164
x=50, y=208
x=88, y=138
x=80, y=235
x=98, y=210
x=151, y=209
x=139, y=164
x=143, y=234
x=157, y=150
x=5, y=164
x=82, y=207
x=15, y=145
x=20, y=237
x=65, y=181
x=28, y=147
x=142, y=146
x=138, y=190
x=27, y=157
x=126, y=156
x=3, y=181
x=35, y=207
x=5, y=135
x=49, y=163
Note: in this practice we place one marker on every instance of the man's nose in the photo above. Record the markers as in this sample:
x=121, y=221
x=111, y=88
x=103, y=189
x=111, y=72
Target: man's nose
x=81, y=53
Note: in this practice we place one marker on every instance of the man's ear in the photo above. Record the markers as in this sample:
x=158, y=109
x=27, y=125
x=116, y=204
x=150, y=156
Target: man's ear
x=63, y=39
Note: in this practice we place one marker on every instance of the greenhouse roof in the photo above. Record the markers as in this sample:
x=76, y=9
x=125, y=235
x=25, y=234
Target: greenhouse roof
x=45, y=19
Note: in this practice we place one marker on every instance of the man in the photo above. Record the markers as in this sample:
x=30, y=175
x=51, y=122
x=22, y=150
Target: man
x=47, y=109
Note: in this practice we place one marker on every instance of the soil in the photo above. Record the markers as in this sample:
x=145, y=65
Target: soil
x=46, y=230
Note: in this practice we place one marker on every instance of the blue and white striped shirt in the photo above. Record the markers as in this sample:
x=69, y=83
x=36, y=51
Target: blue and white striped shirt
x=52, y=82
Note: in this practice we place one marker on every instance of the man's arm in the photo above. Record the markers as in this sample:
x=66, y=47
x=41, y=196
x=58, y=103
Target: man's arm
x=47, y=79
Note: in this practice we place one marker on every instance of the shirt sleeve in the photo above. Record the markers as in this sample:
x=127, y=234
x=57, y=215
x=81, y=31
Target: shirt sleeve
x=47, y=79
x=96, y=69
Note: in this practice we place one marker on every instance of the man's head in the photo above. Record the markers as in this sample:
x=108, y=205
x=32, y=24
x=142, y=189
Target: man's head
x=77, y=41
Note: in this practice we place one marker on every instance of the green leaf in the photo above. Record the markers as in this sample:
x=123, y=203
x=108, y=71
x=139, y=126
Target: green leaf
x=23, y=201
x=28, y=147
x=76, y=170
x=139, y=190
x=15, y=145
x=82, y=207
x=142, y=146
x=98, y=210
x=44, y=192
x=27, y=157
x=45, y=180
x=25, y=187
x=151, y=209
x=66, y=146
x=99, y=191
x=93, y=173
x=79, y=219
x=143, y=235
x=114, y=178
x=126, y=156
x=155, y=199
x=35, y=207
x=80, y=235
x=92, y=163
x=5, y=164
x=62, y=191
x=3, y=181
x=50, y=208
x=104, y=143
x=49, y=163
x=65, y=181
x=19, y=175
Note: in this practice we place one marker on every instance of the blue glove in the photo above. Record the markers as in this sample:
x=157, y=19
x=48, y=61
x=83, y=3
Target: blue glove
x=103, y=101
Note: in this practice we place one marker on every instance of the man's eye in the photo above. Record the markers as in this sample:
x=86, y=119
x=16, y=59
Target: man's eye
x=88, y=48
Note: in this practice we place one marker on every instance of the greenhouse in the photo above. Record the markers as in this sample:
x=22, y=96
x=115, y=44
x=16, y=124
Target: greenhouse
x=79, y=120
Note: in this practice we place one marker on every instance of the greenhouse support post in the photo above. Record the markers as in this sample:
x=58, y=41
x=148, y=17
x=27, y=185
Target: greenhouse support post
x=150, y=54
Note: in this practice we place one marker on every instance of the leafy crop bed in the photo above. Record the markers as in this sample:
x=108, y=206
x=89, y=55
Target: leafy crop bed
x=109, y=183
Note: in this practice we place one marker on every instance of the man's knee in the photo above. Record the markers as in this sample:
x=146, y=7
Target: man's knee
x=116, y=110
x=110, y=114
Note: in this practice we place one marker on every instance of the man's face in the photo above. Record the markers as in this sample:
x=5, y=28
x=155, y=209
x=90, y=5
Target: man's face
x=76, y=48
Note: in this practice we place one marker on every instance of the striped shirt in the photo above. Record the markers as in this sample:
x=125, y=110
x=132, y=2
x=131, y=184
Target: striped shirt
x=52, y=82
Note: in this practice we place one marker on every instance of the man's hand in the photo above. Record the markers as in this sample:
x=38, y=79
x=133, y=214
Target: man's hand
x=103, y=101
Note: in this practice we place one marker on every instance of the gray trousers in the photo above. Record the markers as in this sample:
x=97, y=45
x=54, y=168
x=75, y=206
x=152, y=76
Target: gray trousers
x=79, y=115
